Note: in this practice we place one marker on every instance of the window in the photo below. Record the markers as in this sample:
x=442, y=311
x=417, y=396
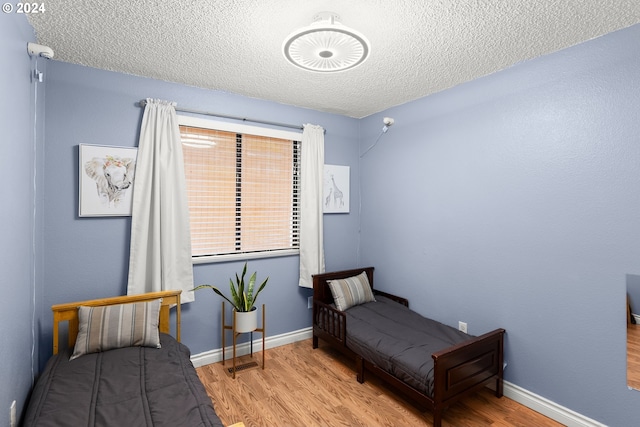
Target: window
x=242, y=188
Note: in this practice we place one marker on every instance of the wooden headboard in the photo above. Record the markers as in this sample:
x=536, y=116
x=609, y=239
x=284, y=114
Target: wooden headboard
x=68, y=312
x=321, y=290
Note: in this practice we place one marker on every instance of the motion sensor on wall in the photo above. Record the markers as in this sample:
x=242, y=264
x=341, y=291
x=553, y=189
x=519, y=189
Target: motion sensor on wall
x=35, y=49
x=388, y=121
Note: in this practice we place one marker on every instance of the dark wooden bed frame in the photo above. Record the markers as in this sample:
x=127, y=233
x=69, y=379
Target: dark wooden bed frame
x=458, y=370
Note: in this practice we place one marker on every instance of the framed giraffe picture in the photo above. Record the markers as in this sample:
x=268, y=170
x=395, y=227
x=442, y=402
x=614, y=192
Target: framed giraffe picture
x=336, y=189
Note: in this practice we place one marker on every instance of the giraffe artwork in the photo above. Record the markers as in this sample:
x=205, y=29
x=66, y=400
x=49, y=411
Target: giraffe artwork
x=327, y=200
x=336, y=189
x=337, y=194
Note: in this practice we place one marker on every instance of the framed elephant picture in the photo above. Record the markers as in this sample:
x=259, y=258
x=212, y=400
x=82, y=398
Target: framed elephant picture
x=106, y=176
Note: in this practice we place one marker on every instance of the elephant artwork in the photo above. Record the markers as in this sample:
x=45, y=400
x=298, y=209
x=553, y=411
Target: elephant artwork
x=111, y=175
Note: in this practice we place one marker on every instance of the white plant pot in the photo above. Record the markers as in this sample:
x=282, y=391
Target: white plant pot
x=246, y=321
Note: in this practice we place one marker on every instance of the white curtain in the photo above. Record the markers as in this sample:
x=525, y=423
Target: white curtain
x=160, y=250
x=311, y=221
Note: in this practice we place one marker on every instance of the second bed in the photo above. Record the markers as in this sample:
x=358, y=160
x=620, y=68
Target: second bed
x=432, y=363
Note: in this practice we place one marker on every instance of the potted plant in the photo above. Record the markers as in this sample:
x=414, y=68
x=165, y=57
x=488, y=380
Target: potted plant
x=243, y=298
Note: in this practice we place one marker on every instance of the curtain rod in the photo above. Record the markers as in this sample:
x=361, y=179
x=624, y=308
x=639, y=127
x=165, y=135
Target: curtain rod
x=143, y=103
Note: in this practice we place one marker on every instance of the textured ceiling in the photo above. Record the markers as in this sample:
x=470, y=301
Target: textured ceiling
x=418, y=47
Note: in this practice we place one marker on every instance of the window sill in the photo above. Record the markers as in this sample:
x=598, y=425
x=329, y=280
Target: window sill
x=243, y=256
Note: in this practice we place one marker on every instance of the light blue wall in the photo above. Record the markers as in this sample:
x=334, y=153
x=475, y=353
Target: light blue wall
x=514, y=201
x=88, y=257
x=17, y=207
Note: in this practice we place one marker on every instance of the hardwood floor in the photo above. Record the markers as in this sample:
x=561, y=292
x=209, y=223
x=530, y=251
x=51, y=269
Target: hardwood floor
x=633, y=356
x=290, y=393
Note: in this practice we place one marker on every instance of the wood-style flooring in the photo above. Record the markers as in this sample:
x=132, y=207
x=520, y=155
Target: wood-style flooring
x=305, y=387
x=633, y=356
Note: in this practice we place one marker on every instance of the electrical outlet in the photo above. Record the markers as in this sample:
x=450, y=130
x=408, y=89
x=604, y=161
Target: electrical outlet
x=310, y=302
x=462, y=326
x=12, y=410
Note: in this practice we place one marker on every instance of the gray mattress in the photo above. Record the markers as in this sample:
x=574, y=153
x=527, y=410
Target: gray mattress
x=134, y=386
x=399, y=341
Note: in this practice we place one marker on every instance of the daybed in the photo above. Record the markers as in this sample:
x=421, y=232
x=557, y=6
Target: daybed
x=431, y=363
x=118, y=375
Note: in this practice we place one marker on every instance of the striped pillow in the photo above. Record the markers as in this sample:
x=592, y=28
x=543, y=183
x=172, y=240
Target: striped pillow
x=117, y=326
x=351, y=291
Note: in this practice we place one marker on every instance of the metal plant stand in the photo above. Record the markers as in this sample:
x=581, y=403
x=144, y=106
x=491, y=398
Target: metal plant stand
x=232, y=328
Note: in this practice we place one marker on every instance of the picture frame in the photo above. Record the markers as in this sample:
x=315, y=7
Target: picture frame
x=336, y=189
x=106, y=180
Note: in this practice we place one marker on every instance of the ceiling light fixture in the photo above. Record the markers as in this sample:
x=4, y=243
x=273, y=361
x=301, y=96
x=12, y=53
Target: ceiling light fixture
x=326, y=45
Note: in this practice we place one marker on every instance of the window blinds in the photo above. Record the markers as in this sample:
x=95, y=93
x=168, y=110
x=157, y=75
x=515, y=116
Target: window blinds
x=242, y=191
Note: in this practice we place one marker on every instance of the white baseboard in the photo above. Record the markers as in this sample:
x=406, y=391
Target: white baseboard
x=214, y=356
x=533, y=401
x=548, y=408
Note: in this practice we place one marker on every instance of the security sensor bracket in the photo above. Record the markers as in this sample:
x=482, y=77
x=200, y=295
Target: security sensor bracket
x=35, y=49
